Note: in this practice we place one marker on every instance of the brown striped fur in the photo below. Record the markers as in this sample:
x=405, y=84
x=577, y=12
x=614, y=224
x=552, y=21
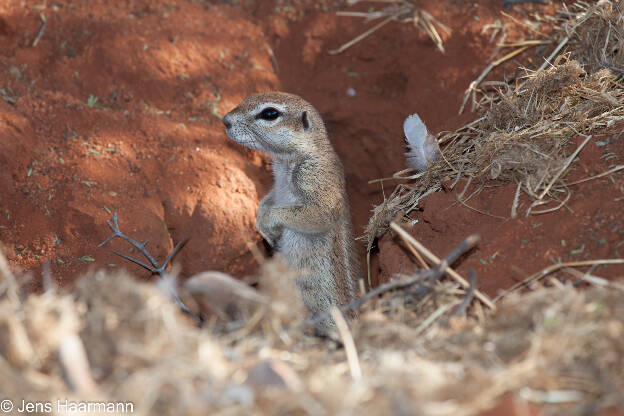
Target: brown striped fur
x=306, y=215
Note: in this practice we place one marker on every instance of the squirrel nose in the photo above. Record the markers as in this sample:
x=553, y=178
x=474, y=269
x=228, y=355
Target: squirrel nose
x=226, y=121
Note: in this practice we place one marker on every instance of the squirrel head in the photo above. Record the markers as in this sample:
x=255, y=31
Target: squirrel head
x=280, y=124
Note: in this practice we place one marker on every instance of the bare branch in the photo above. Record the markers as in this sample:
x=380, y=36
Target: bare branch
x=155, y=268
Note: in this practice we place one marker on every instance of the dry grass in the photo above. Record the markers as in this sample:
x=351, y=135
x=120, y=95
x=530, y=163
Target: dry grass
x=596, y=33
x=522, y=134
x=397, y=10
x=406, y=353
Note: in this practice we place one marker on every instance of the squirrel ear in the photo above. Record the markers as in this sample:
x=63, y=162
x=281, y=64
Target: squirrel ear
x=305, y=121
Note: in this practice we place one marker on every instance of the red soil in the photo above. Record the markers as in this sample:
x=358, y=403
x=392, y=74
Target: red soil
x=151, y=148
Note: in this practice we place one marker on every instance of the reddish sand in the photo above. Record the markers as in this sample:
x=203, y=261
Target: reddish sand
x=151, y=148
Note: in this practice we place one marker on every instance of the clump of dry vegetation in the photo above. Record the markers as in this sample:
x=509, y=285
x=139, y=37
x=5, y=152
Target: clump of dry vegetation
x=115, y=340
x=396, y=10
x=524, y=130
x=596, y=35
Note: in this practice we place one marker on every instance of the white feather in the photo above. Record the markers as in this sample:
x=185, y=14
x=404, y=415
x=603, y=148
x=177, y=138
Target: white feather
x=423, y=147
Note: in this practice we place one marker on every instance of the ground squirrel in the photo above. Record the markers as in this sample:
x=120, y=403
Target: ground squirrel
x=306, y=215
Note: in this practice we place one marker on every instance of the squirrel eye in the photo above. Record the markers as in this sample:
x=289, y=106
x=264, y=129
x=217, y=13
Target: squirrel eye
x=269, y=113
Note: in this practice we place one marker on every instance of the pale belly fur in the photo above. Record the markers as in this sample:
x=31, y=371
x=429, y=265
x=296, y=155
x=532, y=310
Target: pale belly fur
x=307, y=253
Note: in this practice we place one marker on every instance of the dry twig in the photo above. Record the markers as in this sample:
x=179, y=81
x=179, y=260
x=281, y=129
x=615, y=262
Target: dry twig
x=401, y=10
x=553, y=268
x=432, y=257
x=44, y=24
x=155, y=268
x=349, y=344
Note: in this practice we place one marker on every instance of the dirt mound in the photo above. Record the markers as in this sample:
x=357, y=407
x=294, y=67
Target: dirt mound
x=117, y=108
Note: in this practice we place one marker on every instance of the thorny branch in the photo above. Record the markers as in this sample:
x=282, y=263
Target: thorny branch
x=155, y=267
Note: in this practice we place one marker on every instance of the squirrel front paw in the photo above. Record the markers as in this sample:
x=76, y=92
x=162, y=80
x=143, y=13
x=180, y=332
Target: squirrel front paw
x=269, y=231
